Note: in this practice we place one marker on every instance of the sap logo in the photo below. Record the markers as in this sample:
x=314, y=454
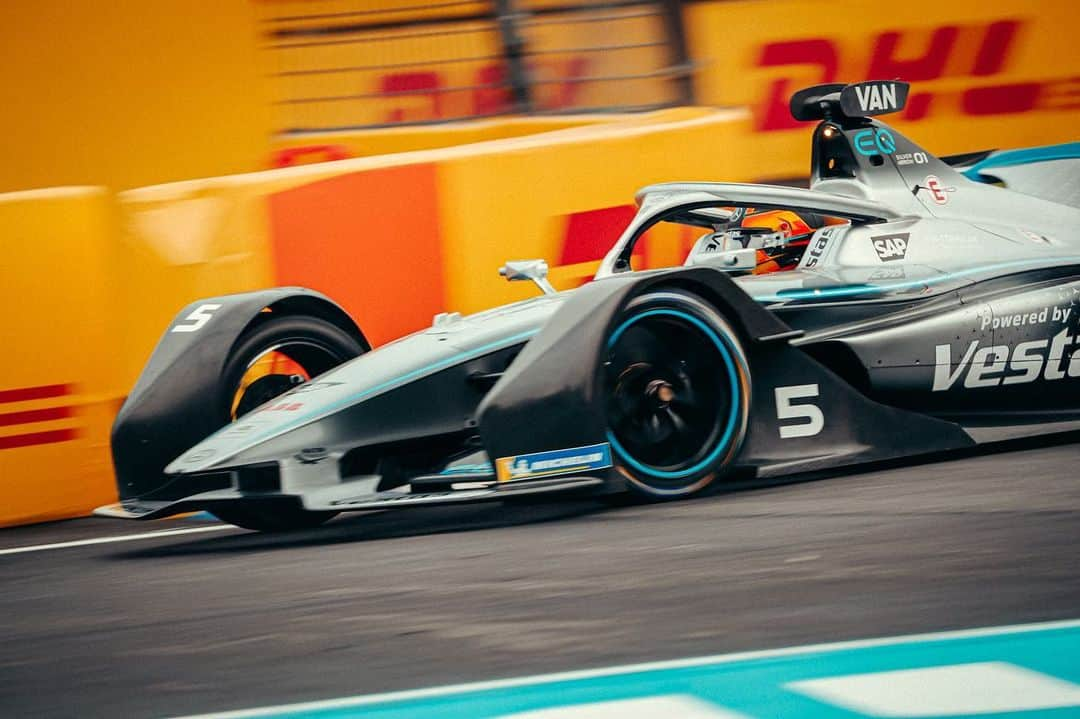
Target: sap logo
x=875, y=98
x=986, y=366
x=874, y=142
x=891, y=247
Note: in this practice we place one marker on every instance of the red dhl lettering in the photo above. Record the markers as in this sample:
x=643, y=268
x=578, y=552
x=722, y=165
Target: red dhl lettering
x=487, y=91
x=978, y=52
x=27, y=418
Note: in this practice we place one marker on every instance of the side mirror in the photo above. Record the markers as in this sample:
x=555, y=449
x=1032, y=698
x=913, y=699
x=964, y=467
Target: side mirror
x=535, y=270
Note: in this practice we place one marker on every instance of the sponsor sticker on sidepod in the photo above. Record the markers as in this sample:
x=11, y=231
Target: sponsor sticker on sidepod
x=554, y=462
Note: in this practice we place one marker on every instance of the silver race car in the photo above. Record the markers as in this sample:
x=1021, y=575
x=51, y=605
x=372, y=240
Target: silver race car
x=902, y=305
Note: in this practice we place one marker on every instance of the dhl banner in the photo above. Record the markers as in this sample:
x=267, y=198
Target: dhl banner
x=984, y=73
x=394, y=63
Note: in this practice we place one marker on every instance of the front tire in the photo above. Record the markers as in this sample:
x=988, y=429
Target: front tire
x=677, y=395
x=268, y=359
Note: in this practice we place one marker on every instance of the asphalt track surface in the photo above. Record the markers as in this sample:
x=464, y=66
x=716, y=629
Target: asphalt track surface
x=371, y=603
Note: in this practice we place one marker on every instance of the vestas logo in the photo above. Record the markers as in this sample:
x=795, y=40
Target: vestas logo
x=817, y=247
x=874, y=98
x=991, y=366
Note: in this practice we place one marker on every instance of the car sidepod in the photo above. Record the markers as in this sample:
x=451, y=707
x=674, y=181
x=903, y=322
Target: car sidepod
x=803, y=416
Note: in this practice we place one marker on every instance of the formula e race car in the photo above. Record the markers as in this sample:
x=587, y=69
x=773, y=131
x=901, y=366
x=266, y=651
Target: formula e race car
x=902, y=305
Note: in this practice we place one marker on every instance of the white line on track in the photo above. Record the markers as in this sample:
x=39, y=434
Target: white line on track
x=110, y=540
x=431, y=692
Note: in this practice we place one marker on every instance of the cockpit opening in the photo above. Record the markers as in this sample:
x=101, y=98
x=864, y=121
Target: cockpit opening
x=765, y=240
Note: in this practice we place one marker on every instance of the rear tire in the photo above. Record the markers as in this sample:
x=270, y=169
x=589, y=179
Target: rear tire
x=306, y=347
x=677, y=388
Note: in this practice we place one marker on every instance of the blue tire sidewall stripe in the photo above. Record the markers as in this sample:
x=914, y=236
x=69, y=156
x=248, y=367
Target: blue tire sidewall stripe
x=722, y=343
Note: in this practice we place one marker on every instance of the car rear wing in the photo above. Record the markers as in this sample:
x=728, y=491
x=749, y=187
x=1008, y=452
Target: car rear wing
x=840, y=102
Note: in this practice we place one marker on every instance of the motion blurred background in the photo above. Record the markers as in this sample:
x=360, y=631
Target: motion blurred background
x=393, y=154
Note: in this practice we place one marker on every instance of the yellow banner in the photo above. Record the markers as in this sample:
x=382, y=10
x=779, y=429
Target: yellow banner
x=387, y=65
x=984, y=73
x=61, y=384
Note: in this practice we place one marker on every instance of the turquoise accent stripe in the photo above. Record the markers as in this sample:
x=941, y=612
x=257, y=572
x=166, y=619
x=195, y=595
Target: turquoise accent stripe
x=1028, y=155
x=754, y=684
x=825, y=293
x=733, y=416
x=479, y=468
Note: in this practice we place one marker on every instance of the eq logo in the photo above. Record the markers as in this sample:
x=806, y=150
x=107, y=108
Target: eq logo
x=891, y=247
x=873, y=142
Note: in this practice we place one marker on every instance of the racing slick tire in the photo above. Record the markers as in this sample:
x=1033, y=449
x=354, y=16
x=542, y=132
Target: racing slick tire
x=677, y=395
x=268, y=359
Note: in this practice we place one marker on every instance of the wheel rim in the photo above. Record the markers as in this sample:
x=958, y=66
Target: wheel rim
x=276, y=370
x=672, y=411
